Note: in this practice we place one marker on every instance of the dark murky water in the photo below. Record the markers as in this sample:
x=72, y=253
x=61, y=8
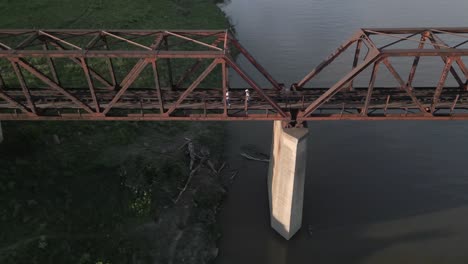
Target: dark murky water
x=376, y=192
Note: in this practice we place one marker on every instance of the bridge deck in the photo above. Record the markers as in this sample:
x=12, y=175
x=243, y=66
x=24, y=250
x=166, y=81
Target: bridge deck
x=208, y=104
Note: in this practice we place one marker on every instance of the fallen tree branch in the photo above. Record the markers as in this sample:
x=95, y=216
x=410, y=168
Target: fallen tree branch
x=221, y=168
x=210, y=164
x=187, y=182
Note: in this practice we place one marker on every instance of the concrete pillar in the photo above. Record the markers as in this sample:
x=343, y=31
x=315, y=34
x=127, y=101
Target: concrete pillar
x=1, y=133
x=286, y=177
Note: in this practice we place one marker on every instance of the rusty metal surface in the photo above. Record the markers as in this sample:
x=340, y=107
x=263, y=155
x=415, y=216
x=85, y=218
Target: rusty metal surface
x=164, y=75
x=384, y=45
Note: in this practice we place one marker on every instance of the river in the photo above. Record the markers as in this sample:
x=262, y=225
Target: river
x=376, y=192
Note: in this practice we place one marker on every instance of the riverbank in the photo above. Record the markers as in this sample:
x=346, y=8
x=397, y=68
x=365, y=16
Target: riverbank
x=109, y=192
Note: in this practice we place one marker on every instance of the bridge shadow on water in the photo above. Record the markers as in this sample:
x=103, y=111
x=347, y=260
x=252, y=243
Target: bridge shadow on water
x=390, y=192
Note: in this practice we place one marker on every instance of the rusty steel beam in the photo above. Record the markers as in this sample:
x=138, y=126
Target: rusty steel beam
x=15, y=103
x=401, y=39
x=337, y=86
x=126, y=40
x=356, y=59
x=85, y=67
x=385, y=52
x=460, y=44
x=157, y=85
x=148, y=99
x=370, y=89
x=408, y=117
x=368, y=42
x=221, y=117
x=415, y=30
x=30, y=39
x=459, y=61
x=441, y=83
x=51, y=83
x=42, y=33
x=128, y=80
x=424, y=52
x=407, y=88
x=256, y=64
x=97, y=37
x=143, y=117
x=193, y=40
x=51, y=64
x=76, y=60
x=60, y=100
x=110, y=65
x=189, y=71
x=329, y=60
x=113, y=54
x=445, y=60
x=24, y=87
x=454, y=103
x=193, y=86
x=416, y=60
x=170, y=77
x=254, y=85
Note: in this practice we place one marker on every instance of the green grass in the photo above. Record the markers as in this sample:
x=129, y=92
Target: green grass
x=106, y=14
x=72, y=202
x=115, y=14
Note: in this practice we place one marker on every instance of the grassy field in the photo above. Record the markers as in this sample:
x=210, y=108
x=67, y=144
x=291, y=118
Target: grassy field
x=102, y=192
x=115, y=14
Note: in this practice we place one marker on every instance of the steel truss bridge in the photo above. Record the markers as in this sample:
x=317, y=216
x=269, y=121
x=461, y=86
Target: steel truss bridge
x=183, y=75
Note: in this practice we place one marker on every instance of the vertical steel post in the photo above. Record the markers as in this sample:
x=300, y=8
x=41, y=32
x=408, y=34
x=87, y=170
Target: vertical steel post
x=169, y=66
x=441, y=83
x=370, y=89
x=84, y=65
x=110, y=65
x=356, y=60
x=51, y=63
x=416, y=60
x=157, y=85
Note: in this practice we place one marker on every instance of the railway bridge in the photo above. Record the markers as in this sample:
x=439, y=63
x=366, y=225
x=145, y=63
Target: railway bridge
x=158, y=75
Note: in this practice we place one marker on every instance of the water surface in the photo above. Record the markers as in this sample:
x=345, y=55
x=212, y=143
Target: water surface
x=376, y=192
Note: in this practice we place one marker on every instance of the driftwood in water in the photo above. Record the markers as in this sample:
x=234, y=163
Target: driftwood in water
x=247, y=156
x=250, y=152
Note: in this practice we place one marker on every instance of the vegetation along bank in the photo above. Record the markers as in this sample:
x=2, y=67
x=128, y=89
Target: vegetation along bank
x=110, y=192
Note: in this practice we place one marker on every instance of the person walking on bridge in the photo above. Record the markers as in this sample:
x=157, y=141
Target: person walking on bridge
x=247, y=99
x=227, y=99
x=247, y=95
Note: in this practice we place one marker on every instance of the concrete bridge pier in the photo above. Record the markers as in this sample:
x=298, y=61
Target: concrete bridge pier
x=286, y=178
